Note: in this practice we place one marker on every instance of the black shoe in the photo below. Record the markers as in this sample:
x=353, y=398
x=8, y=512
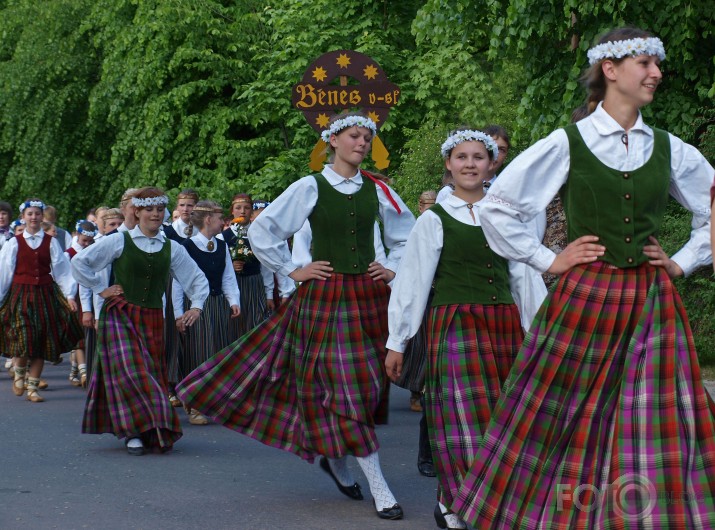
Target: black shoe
x=393, y=512
x=134, y=451
x=426, y=469
x=354, y=491
x=441, y=520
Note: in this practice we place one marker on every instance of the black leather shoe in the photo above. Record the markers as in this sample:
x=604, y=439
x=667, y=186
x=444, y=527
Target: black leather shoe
x=441, y=520
x=393, y=512
x=354, y=491
x=426, y=469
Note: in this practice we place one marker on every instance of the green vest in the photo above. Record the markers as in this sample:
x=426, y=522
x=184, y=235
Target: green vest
x=343, y=227
x=622, y=208
x=143, y=275
x=469, y=272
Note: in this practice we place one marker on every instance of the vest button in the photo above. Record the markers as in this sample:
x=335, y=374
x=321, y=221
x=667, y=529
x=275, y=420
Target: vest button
x=350, y=197
x=489, y=265
x=627, y=196
x=491, y=280
x=352, y=231
x=354, y=265
x=352, y=248
x=626, y=175
x=626, y=219
x=486, y=245
x=352, y=214
x=630, y=260
x=628, y=239
x=494, y=298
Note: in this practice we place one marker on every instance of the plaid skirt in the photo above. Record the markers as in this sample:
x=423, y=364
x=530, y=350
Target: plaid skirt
x=471, y=350
x=208, y=335
x=603, y=422
x=128, y=390
x=254, y=308
x=311, y=379
x=38, y=323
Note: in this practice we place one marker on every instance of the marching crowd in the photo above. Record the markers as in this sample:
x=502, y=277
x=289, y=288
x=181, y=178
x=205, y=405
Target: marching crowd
x=286, y=321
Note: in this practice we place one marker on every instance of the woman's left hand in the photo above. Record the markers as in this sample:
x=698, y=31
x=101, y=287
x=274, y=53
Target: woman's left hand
x=658, y=258
x=378, y=272
x=191, y=316
x=73, y=304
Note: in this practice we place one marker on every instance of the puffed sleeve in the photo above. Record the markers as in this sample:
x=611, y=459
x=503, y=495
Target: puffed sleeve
x=396, y=226
x=61, y=270
x=8, y=258
x=87, y=266
x=412, y=284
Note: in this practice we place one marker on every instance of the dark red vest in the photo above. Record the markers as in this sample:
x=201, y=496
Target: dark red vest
x=32, y=267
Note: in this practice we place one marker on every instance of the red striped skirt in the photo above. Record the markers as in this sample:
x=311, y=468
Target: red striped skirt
x=311, y=379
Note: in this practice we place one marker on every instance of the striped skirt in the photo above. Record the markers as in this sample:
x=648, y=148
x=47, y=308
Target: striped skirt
x=38, y=323
x=311, y=379
x=208, y=335
x=128, y=391
x=604, y=422
x=414, y=360
x=254, y=308
x=471, y=350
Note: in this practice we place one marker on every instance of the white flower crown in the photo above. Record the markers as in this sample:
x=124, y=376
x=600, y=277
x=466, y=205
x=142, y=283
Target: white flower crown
x=464, y=136
x=339, y=125
x=626, y=48
x=150, y=201
x=28, y=204
x=91, y=233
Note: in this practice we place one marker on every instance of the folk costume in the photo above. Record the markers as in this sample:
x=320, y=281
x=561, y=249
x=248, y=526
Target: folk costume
x=311, y=379
x=37, y=321
x=473, y=330
x=606, y=390
x=128, y=390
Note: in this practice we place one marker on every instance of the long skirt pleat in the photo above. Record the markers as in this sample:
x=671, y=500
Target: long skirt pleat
x=311, y=379
x=471, y=350
x=128, y=393
x=207, y=336
x=254, y=308
x=603, y=422
x=38, y=323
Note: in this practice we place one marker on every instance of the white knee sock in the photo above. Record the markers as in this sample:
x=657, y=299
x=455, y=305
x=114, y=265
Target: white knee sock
x=453, y=520
x=370, y=465
x=339, y=467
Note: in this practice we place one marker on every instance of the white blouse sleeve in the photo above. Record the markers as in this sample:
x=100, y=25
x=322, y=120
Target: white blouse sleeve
x=177, y=298
x=396, y=226
x=691, y=176
x=229, y=284
x=87, y=266
x=268, y=281
x=282, y=218
x=412, y=285
x=302, y=240
x=61, y=270
x=522, y=191
x=189, y=275
x=8, y=259
x=85, y=298
x=286, y=285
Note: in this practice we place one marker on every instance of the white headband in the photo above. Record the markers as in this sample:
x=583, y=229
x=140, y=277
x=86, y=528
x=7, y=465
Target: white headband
x=28, y=204
x=464, y=136
x=91, y=233
x=150, y=201
x=626, y=48
x=339, y=125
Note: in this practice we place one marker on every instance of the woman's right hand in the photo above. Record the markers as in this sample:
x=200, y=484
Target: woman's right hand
x=112, y=290
x=580, y=251
x=88, y=319
x=238, y=266
x=317, y=270
x=393, y=364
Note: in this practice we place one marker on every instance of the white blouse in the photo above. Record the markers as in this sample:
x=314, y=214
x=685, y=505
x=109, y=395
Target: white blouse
x=87, y=266
x=285, y=216
x=60, y=265
x=529, y=183
x=412, y=285
x=229, y=286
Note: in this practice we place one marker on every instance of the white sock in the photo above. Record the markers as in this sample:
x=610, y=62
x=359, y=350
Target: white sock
x=370, y=465
x=453, y=520
x=135, y=442
x=339, y=467
x=8, y=364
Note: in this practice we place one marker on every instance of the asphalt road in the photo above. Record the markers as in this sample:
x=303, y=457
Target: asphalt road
x=52, y=476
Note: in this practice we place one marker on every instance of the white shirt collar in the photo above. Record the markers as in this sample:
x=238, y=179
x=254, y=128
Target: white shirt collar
x=334, y=179
x=180, y=226
x=605, y=125
x=136, y=233
x=39, y=235
x=201, y=241
x=456, y=202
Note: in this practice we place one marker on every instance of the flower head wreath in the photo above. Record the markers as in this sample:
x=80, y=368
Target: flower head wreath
x=150, y=201
x=339, y=125
x=626, y=48
x=258, y=205
x=16, y=223
x=464, y=136
x=83, y=231
x=28, y=204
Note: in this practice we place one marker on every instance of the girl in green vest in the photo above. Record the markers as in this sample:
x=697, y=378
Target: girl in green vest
x=604, y=421
x=128, y=390
x=473, y=329
x=311, y=379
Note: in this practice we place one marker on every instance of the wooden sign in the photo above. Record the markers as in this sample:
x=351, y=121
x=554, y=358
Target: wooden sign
x=345, y=80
